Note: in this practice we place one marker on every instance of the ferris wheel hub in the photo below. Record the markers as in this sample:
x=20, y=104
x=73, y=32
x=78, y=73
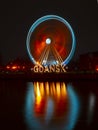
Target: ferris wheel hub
x=48, y=41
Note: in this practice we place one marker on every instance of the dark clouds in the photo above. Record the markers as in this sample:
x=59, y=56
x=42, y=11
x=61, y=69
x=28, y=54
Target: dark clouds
x=17, y=17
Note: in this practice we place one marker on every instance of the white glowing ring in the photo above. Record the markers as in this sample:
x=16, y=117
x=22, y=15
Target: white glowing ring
x=51, y=17
x=48, y=41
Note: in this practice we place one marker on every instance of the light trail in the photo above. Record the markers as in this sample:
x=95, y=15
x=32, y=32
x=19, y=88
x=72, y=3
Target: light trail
x=60, y=29
x=56, y=54
x=44, y=53
x=47, y=54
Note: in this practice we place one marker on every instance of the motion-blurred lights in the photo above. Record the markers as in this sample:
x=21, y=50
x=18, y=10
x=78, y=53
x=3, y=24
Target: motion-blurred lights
x=44, y=62
x=91, y=107
x=48, y=40
x=29, y=114
x=75, y=108
x=74, y=102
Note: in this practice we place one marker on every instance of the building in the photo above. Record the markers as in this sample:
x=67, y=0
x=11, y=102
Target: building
x=88, y=61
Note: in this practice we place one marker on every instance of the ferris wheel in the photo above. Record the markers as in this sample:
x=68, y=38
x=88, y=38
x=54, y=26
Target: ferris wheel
x=50, y=41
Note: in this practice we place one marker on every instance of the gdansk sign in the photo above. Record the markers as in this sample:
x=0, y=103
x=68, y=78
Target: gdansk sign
x=49, y=69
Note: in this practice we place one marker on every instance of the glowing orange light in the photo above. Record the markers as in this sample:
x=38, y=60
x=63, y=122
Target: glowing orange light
x=63, y=89
x=53, y=88
x=23, y=67
x=8, y=67
x=40, y=103
x=58, y=89
x=37, y=63
x=42, y=89
x=14, y=67
x=37, y=92
x=96, y=67
x=47, y=88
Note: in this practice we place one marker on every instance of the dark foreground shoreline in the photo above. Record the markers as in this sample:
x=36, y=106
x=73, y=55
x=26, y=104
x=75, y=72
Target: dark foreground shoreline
x=69, y=76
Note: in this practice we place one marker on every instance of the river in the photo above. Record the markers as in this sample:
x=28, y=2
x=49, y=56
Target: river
x=48, y=105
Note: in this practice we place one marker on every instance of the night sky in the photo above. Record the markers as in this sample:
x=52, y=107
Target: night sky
x=17, y=17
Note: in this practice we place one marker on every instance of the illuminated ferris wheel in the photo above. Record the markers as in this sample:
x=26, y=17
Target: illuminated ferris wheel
x=50, y=41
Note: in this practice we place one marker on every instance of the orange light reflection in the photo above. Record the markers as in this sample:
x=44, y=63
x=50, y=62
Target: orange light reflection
x=56, y=90
x=43, y=91
x=37, y=93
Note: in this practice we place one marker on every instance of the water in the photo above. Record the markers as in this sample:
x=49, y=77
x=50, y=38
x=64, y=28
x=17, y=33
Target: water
x=48, y=105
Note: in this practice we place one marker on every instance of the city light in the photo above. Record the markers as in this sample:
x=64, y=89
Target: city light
x=14, y=67
x=96, y=67
x=8, y=67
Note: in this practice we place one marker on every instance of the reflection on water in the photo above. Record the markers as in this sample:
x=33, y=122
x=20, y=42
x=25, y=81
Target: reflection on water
x=91, y=105
x=48, y=105
x=51, y=106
